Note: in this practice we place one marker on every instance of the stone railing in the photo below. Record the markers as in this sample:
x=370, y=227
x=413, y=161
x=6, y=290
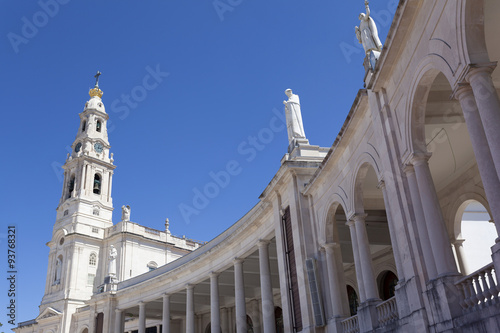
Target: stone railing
x=387, y=311
x=479, y=289
x=350, y=325
x=152, y=231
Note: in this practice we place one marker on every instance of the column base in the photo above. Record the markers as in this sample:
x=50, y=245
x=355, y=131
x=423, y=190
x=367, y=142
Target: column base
x=367, y=315
x=444, y=302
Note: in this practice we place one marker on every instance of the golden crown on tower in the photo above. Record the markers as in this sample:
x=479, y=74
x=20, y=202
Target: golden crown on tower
x=96, y=91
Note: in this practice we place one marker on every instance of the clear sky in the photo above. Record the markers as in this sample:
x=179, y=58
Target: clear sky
x=221, y=68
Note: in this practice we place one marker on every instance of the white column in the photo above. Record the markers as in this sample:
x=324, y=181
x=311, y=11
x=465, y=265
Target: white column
x=336, y=289
x=459, y=250
x=158, y=328
x=266, y=288
x=440, y=243
x=142, y=317
x=488, y=105
x=357, y=263
x=189, y=308
x=482, y=150
x=224, y=325
x=365, y=257
x=166, y=314
x=423, y=233
x=214, y=303
x=239, y=289
x=118, y=321
x=392, y=232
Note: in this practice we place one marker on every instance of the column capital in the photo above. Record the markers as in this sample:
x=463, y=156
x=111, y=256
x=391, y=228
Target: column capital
x=461, y=90
x=408, y=169
x=237, y=261
x=165, y=295
x=189, y=286
x=458, y=242
x=213, y=274
x=358, y=217
x=263, y=242
x=381, y=184
x=418, y=159
x=118, y=310
x=484, y=68
x=330, y=247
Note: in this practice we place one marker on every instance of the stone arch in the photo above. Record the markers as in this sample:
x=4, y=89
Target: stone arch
x=454, y=217
x=84, y=329
x=328, y=231
x=425, y=74
x=386, y=281
x=364, y=163
x=386, y=266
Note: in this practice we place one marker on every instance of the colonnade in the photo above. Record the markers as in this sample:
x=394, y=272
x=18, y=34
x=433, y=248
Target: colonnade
x=219, y=317
x=481, y=108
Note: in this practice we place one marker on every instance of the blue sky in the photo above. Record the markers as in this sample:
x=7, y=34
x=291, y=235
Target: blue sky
x=221, y=71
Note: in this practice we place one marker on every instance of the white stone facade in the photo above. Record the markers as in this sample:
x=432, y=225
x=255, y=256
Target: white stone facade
x=375, y=219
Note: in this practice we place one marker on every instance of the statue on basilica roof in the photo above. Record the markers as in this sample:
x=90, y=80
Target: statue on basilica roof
x=367, y=32
x=294, y=124
x=126, y=213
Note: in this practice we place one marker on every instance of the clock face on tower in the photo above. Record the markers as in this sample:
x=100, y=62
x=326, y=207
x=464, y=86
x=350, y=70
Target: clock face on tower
x=78, y=147
x=98, y=147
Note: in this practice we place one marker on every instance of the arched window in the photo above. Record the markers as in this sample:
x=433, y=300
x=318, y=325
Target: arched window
x=98, y=126
x=388, y=281
x=353, y=300
x=84, y=125
x=97, y=184
x=71, y=185
x=93, y=259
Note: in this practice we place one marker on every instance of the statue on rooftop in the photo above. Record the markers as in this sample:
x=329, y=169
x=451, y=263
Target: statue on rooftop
x=293, y=115
x=367, y=32
x=126, y=213
x=112, y=261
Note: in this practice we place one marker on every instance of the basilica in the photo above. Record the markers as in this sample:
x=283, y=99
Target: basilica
x=362, y=236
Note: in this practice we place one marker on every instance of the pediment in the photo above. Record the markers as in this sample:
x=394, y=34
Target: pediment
x=47, y=313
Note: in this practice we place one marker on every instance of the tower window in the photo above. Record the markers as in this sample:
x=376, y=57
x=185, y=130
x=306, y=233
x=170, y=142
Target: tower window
x=90, y=279
x=97, y=184
x=84, y=125
x=71, y=186
x=93, y=259
x=98, y=126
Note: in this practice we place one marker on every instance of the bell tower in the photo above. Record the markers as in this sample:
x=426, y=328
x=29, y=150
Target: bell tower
x=88, y=171
x=76, y=255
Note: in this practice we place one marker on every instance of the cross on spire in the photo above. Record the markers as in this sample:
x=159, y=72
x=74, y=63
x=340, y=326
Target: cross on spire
x=97, y=79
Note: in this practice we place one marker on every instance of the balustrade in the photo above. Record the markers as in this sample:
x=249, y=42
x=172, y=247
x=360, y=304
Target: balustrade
x=387, y=311
x=350, y=325
x=479, y=289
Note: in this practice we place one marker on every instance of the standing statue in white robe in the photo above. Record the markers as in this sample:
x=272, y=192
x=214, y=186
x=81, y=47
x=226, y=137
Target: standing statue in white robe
x=112, y=261
x=367, y=32
x=294, y=124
